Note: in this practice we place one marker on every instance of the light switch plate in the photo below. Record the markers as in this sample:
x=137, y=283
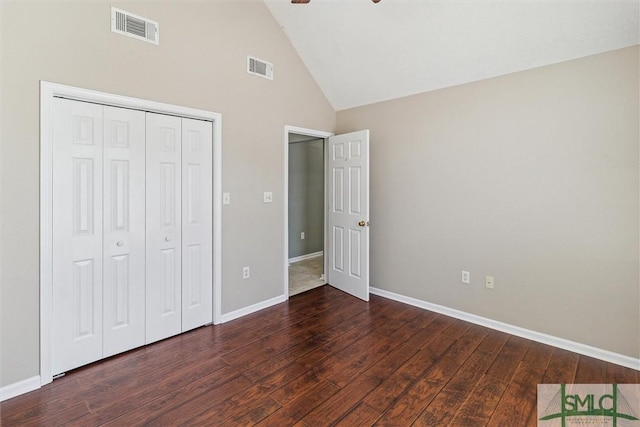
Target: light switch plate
x=226, y=198
x=268, y=197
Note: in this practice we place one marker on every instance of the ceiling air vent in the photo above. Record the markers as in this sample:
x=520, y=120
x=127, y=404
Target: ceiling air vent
x=258, y=67
x=134, y=26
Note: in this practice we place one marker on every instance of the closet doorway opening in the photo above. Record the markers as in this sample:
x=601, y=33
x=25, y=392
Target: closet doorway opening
x=305, y=210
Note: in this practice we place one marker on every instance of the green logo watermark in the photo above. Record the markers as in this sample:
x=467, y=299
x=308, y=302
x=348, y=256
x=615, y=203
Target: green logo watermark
x=615, y=405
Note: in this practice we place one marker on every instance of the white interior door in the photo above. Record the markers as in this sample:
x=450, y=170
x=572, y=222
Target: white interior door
x=124, y=230
x=348, y=220
x=77, y=234
x=197, y=223
x=163, y=227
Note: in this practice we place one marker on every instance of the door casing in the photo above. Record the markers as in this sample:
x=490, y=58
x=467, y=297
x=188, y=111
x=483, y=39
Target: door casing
x=49, y=91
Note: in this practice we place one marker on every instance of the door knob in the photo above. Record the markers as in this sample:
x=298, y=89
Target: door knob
x=166, y=239
x=362, y=223
x=120, y=243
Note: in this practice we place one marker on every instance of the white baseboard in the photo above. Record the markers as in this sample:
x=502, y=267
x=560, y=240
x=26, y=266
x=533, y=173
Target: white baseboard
x=21, y=387
x=251, y=309
x=306, y=256
x=587, y=350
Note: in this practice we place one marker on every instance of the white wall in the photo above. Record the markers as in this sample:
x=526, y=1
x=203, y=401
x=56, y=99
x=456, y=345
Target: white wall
x=532, y=178
x=200, y=63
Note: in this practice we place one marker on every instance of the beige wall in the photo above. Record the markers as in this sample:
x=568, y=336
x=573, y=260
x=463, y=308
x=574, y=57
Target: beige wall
x=531, y=178
x=200, y=63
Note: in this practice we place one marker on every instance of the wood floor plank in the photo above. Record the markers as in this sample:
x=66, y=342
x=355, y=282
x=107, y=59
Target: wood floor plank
x=467, y=343
x=442, y=408
x=474, y=367
x=355, y=359
x=446, y=404
x=562, y=367
x=396, y=384
x=58, y=418
x=621, y=375
x=505, y=365
x=519, y=399
x=36, y=405
x=138, y=407
x=158, y=383
x=408, y=406
x=301, y=406
x=480, y=403
x=239, y=406
x=324, y=339
x=181, y=413
x=311, y=328
x=361, y=416
x=300, y=385
x=342, y=402
x=538, y=356
x=321, y=358
x=590, y=371
x=249, y=415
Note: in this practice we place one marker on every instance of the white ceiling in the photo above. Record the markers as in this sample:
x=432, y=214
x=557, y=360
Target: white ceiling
x=360, y=52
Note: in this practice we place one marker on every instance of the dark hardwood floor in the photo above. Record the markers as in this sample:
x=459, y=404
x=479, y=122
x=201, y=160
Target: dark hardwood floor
x=322, y=358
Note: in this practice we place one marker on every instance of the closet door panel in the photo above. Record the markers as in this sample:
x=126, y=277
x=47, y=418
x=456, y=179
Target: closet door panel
x=163, y=226
x=77, y=234
x=197, y=223
x=124, y=230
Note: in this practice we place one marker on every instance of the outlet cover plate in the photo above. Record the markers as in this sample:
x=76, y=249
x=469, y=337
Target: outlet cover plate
x=488, y=282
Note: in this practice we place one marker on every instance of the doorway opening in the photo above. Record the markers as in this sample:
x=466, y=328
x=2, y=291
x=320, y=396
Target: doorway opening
x=345, y=213
x=305, y=209
x=306, y=213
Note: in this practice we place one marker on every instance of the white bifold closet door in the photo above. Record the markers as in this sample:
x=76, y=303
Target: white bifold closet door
x=197, y=223
x=164, y=218
x=98, y=232
x=179, y=225
x=132, y=229
x=124, y=237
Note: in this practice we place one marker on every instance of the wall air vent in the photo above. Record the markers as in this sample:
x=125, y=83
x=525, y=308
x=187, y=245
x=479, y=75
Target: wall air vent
x=134, y=26
x=258, y=67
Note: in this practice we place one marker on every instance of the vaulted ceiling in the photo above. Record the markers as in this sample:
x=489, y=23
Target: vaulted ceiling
x=360, y=52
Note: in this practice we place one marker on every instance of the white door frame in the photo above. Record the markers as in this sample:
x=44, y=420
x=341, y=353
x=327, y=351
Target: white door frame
x=49, y=91
x=315, y=134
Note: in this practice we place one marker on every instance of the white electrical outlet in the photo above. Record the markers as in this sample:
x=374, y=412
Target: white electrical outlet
x=488, y=282
x=466, y=277
x=226, y=198
x=302, y=236
x=268, y=197
x=246, y=272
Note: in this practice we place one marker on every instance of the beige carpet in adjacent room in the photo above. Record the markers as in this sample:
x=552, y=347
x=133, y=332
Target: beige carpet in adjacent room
x=305, y=275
